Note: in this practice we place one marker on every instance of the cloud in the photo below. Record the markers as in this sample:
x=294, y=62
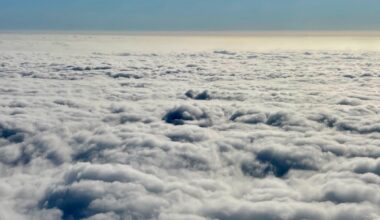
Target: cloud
x=110, y=134
x=200, y=96
x=278, y=161
x=187, y=114
x=104, y=190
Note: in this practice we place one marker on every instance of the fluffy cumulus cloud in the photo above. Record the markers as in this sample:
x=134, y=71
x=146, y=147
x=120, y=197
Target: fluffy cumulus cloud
x=101, y=134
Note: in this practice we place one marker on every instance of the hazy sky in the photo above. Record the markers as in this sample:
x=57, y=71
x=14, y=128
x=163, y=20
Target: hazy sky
x=190, y=15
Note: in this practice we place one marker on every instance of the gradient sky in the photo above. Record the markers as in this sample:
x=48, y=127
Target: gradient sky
x=189, y=15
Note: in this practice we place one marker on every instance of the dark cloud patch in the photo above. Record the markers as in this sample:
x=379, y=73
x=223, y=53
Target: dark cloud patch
x=272, y=161
x=326, y=119
x=224, y=52
x=363, y=165
x=18, y=104
x=67, y=103
x=252, y=117
x=186, y=114
x=46, y=146
x=124, y=75
x=78, y=68
x=91, y=190
x=276, y=119
x=126, y=118
x=74, y=203
x=256, y=169
x=361, y=127
x=366, y=129
x=11, y=133
x=124, y=54
x=346, y=101
x=198, y=96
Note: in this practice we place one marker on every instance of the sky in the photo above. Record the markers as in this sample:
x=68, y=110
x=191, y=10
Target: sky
x=190, y=15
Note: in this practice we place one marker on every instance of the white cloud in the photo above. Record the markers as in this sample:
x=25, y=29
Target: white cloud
x=187, y=135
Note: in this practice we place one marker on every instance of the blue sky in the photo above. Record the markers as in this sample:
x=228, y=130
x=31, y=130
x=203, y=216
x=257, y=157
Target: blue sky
x=190, y=15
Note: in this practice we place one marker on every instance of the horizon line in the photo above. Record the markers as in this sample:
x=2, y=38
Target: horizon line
x=215, y=33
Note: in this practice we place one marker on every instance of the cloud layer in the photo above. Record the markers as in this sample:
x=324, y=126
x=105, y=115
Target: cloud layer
x=204, y=135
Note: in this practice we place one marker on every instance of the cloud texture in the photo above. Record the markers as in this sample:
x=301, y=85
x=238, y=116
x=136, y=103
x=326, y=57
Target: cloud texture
x=196, y=135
